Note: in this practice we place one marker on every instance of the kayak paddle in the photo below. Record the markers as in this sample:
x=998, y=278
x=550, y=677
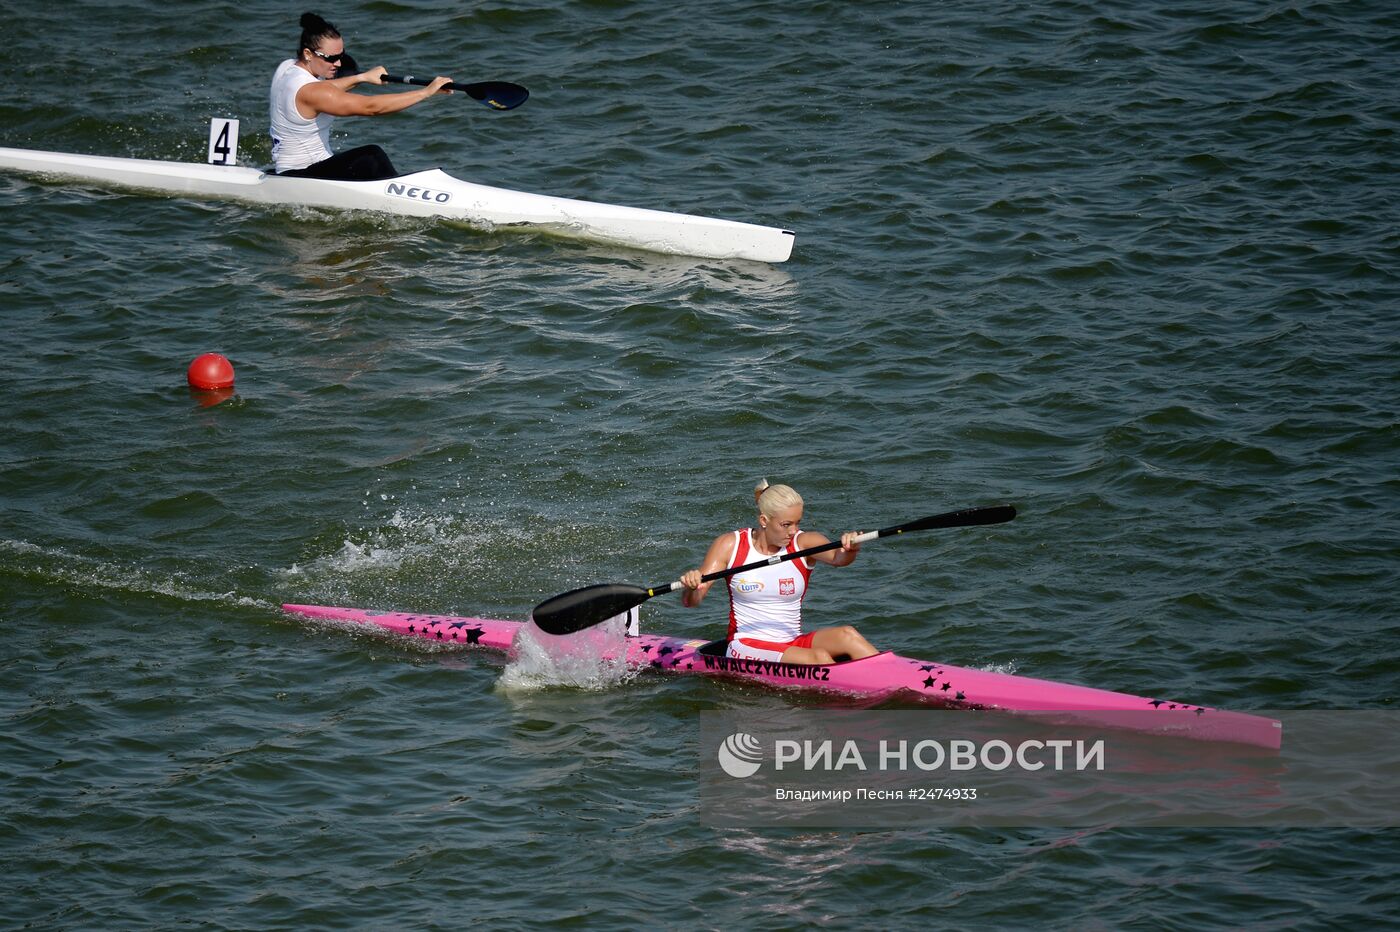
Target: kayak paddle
x=498, y=95
x=582, y=608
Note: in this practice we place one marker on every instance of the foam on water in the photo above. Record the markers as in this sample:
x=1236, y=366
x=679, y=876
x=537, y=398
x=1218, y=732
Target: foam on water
x=57, y=565
x=594, y=658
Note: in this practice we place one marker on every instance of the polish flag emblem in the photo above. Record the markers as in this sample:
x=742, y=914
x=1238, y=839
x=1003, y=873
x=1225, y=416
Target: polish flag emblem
x=787, y=586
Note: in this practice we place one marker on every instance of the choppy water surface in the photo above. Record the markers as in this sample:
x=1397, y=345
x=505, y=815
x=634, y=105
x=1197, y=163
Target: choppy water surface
x=1131, y=268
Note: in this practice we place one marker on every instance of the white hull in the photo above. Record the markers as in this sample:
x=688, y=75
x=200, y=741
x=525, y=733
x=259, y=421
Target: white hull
x=432, y=193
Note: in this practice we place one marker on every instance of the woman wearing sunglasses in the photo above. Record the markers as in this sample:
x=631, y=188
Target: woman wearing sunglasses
x=307, y=96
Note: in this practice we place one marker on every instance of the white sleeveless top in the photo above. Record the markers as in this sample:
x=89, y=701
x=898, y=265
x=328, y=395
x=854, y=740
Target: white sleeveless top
x=766, y=603
x=296, y=141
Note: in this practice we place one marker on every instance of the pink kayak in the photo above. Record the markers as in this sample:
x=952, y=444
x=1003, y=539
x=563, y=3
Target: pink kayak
x=885, y=676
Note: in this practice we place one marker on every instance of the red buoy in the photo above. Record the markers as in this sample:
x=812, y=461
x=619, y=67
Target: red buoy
x=210, y=371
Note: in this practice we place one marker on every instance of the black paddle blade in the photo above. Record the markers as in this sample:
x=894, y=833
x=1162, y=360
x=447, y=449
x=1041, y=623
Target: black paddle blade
x=968, y=517
x=498, y=95
x=583, y=608
x=347, y=66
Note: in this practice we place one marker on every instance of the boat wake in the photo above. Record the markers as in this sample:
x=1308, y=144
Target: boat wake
x=57, y=566
x=592, y=659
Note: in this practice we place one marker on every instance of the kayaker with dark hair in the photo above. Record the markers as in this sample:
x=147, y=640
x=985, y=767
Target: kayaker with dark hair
x=307, y=96
x=765, y=604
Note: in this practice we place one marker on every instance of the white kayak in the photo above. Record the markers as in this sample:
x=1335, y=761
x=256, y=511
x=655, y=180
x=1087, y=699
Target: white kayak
x=431, y=193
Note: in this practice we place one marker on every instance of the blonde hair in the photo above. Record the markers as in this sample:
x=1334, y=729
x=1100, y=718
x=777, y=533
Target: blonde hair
x=771, y=498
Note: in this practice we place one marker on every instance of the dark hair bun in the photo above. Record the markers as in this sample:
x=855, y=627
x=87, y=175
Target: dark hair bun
x=312, y=23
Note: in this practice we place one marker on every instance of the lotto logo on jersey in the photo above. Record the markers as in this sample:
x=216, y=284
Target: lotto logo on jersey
x=747, y=585
x=787, y=586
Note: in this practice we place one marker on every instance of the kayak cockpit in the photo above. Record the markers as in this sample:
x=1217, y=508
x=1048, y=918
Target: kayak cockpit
x=714, y=648
x=720, y=649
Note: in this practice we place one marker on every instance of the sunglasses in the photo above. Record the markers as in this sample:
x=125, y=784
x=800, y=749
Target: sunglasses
x=328, y=58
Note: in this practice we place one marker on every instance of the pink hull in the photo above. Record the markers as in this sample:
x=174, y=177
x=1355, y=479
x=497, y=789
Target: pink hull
x=884, y=676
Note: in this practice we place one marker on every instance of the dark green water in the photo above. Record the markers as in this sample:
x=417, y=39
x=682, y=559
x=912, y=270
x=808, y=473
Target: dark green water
x=1130, y=267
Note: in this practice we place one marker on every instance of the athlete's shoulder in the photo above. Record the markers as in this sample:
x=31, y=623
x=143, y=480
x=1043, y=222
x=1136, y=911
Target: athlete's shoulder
x=722, y=547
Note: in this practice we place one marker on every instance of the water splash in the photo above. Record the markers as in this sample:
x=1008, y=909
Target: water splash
x=594, y=659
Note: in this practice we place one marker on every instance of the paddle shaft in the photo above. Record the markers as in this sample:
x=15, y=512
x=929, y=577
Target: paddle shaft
x=498, y=95
x=990, y=515
x=581, y=608
x=769, y=561
x=471, y=89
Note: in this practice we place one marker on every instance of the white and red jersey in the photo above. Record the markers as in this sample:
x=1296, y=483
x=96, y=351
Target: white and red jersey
x=766, y=603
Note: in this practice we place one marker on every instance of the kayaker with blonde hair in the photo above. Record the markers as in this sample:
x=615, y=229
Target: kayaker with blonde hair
x=765, y=604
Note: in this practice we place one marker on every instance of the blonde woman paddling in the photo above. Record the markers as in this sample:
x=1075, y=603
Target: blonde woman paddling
x=765, y=604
